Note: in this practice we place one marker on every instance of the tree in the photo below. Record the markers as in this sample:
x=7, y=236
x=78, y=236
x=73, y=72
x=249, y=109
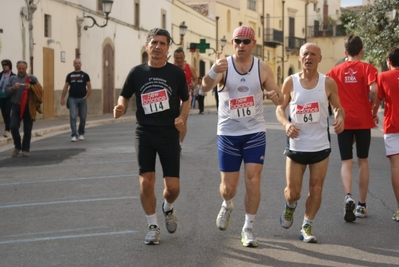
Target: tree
x=378, y=26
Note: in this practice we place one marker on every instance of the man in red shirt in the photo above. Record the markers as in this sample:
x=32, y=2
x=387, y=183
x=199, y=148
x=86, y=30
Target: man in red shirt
x=388, y=90
x=191, y=79
x=357, y=90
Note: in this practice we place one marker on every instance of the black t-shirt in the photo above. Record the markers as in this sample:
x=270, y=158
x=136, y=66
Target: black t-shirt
x=157, y=93
x=77, y=83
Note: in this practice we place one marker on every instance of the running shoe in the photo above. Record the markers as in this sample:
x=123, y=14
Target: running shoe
x=223, y=219
x=350, y=205
x=248, y=238
x=74, y=139
x=360, y=211
x=287, y=217
x=395, y=217
x=170, y=220
x=306, y=234
x=153, y=236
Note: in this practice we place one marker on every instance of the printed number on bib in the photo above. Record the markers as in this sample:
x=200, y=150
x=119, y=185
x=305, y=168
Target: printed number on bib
x=308, y=113
x=155, y=101
x=243, y=107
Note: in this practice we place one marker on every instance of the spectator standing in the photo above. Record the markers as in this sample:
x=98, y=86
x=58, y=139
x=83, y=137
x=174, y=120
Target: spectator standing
x=79, y=86
x=241, y=128
x=357, y=83
x=159, y=86
x=23, y=96
x=201, y=96
x=5, y=102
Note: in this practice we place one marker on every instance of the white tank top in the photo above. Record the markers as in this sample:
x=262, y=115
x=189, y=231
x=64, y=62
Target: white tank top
x=241, y=101
x=309, y=112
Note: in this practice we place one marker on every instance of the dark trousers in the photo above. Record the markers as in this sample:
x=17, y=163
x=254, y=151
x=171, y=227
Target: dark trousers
x=16, y=123
x=5, y=106
x=200, y=99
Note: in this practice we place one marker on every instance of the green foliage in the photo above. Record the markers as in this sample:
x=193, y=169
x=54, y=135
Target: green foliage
x=378, y=26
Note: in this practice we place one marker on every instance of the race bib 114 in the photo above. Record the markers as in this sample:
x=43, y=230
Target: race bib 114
x=154, y=102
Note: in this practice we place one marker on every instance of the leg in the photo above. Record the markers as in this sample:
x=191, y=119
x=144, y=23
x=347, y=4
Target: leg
x=147, y=194
x=28, y=124
x=252, y=184
x=346, y=175
x=228, y=184
x=394, y=160
x=15, y=123
x=7, y=113
x=317, y=175
x=294, y=177
x=82, y=108
x=72, y=103
x=364, y=178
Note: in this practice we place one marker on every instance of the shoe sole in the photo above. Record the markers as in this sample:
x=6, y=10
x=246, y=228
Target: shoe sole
x=311, y=240
x=151, y=242
x=249, y=245
x=349, y=215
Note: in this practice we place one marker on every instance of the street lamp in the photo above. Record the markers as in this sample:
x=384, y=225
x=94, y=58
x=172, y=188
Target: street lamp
x=107, y=6
x=288, y=52
x=182, y=31
x=223, y=42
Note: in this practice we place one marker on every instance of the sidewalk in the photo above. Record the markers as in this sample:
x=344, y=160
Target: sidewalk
x=46, y=126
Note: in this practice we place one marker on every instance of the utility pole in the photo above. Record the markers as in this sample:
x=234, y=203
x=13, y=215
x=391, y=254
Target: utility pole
x=31, y=9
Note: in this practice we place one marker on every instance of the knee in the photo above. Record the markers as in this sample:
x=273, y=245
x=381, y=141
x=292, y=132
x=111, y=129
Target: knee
x=147, y=185
x=316, y=190
x=228, y=190
x=292, y=193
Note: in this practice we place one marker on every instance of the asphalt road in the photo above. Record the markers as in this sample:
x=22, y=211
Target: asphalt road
x=77, y=204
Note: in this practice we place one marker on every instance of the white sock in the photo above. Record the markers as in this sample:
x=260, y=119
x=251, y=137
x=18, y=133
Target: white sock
x=307, y=221
x=167, y=206
x=293, y=206
x=152, y=220
x=249, y=221
x=227, y=203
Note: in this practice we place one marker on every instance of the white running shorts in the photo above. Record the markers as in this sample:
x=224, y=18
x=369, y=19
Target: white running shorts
x=391, y=144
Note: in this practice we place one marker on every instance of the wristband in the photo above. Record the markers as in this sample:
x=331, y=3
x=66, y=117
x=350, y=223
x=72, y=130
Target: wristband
x=212, y=74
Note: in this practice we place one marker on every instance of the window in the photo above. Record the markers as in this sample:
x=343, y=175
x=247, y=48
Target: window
x=47, y=25
x=100, y=6
x=163, y=19
x=251, y=4
x=137, y=13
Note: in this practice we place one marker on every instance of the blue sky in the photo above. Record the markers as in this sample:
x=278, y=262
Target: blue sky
x=345, y=3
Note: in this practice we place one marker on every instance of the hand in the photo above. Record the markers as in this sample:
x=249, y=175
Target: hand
x=292, y=131
x=179, y=124
x=376, y=120
x=62, y=102
x=119, y=110
x=338, y=125
x=273, y=96
x=220, y=65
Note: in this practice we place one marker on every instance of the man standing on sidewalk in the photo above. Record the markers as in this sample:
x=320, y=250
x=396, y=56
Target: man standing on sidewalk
x=79, y=90
x=18, y=88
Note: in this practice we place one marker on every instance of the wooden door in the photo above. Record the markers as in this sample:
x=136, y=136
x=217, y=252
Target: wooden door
x=48, y=83
x=108, y=79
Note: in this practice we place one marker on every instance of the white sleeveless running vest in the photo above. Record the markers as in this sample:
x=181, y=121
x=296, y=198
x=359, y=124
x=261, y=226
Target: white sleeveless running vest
x=241, y=101
x=309, y=112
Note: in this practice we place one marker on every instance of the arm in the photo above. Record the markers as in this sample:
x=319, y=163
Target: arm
x=374, y=101
x=194, y=78
x=63, y=94
x=179, y=121
x=88, y=91
x=121, y=107
x=9, y=87
x=290, y=129
x=272, y=91
x=215, y=74
x=333, y=98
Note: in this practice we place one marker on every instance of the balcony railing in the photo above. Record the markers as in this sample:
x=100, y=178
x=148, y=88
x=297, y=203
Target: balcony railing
x=330, y=30
x=273, y=37
x=294, y=43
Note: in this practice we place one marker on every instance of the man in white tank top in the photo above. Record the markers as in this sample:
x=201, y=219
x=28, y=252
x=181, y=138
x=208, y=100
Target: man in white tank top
x=242, y=80
x=307, y=94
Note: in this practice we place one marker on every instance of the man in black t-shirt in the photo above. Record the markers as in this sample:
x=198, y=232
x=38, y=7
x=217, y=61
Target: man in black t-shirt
x=79, y=90
x=158, y=85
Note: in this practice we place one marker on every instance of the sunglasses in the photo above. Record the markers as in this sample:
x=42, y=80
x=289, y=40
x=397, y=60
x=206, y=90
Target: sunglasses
x=245, y=41
x=4, y=65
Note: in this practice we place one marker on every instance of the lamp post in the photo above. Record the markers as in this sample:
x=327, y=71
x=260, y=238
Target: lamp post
x=31, y=9
x=107, y=6
x=182, y=32
x=223, y=42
